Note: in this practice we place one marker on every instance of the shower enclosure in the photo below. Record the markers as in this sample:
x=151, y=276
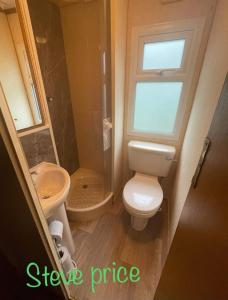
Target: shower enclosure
x=86, y=33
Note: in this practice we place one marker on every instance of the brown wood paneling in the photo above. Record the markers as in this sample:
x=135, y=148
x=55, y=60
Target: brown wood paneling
x=197, y=266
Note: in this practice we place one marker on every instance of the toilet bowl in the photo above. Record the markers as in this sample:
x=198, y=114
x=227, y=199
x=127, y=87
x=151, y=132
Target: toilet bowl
x=143, y=195
x=142, y=198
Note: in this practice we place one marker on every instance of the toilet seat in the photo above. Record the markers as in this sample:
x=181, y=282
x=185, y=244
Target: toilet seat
x=143, y=195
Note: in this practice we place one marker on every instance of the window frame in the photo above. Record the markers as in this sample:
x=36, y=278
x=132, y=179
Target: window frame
x=153, y=38
x=191, y=31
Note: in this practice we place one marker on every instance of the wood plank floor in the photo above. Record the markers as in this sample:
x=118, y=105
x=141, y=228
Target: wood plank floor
x=111, y=239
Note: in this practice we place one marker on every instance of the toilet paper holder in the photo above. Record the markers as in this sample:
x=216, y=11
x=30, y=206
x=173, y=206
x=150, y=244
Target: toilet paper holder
x=56, y=231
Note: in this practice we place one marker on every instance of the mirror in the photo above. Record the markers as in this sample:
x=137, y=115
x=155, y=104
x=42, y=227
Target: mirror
x=15, y=73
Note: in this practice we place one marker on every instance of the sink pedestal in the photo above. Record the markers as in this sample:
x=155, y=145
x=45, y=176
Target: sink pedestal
x=60, y=215
x=52, y=184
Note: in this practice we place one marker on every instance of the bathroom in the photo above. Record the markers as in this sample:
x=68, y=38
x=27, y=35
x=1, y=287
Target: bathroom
x=106, y=170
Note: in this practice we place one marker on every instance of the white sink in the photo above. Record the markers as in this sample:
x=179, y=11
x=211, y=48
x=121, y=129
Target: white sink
x=52, y=184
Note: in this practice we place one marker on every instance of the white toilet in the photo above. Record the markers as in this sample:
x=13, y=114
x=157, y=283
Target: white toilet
x=143, y=195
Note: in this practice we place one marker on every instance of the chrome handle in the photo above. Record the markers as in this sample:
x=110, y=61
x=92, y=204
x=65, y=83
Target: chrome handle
x=171, y=159
x=206, y=147
x=50, y=99
x=34, y=173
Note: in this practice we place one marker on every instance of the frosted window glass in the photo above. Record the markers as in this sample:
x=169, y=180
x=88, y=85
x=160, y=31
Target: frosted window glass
x=156, y=106
x=163, y=55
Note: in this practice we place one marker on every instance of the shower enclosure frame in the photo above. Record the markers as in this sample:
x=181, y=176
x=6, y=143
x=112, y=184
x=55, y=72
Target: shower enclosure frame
x=96, y=210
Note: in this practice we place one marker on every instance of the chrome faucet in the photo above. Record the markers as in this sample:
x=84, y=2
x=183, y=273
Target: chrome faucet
x=34, y=173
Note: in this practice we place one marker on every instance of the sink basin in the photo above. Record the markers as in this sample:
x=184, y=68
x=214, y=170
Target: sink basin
x=52, y=184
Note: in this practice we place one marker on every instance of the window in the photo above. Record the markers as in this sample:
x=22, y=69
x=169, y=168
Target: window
x=163, y=55
x=152, y=115
x=162, y=65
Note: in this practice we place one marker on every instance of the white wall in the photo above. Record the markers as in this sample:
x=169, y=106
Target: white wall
x=211, y=81
x=11, y=79
x=119, y=35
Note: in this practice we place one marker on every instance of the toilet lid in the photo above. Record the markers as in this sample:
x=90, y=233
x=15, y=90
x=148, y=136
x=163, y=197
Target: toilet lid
x=143, y=194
